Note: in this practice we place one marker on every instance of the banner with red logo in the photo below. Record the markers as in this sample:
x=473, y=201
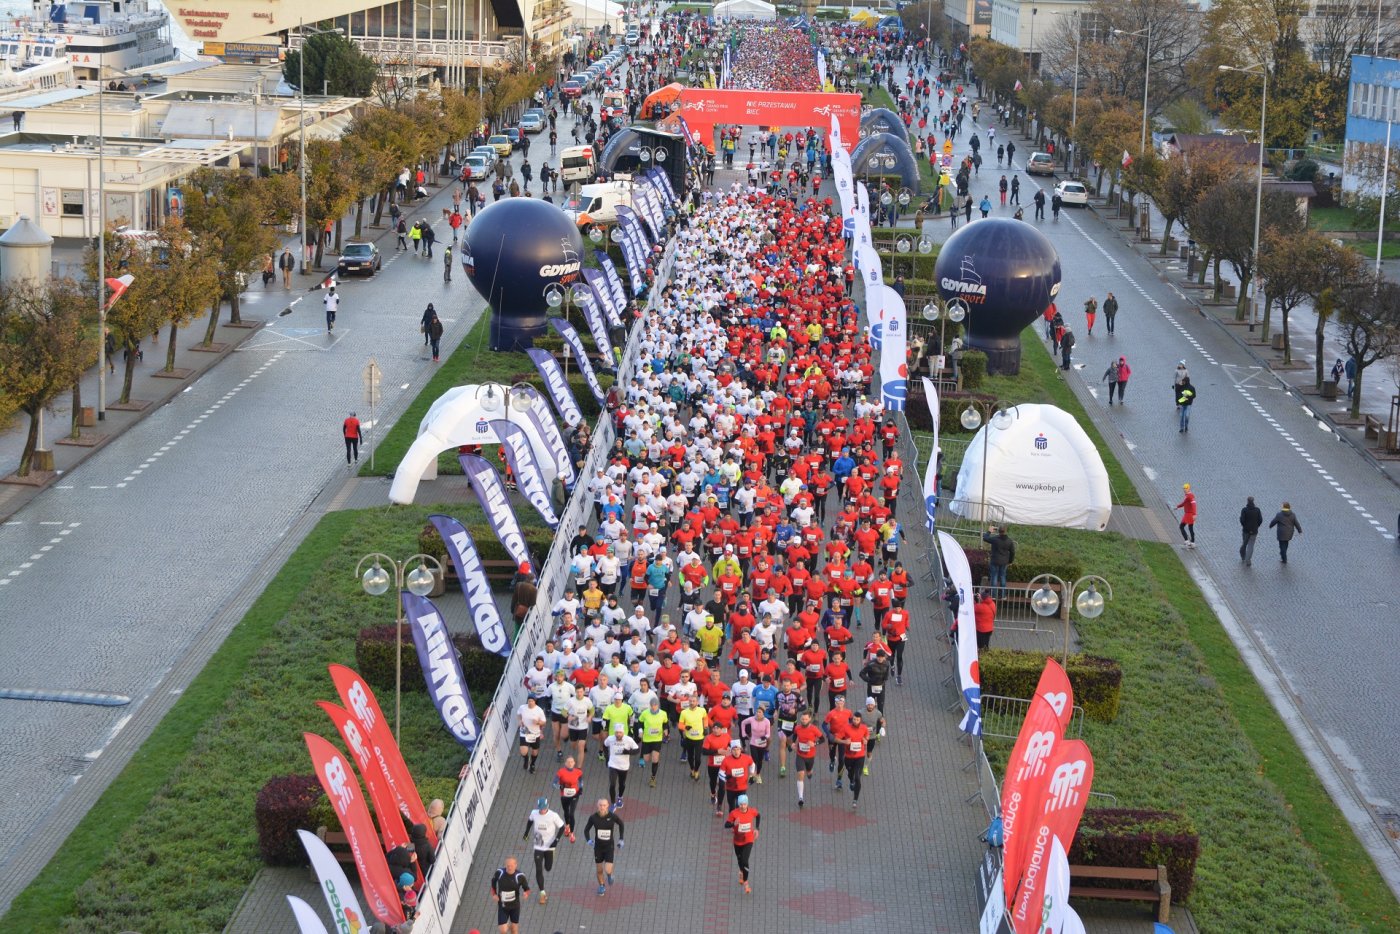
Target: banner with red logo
x=703, y=108
x=338, y=780
x=1070, y=776
x=1027, y=771
x=1054, y=686
x=381, y=797
x=359, y=700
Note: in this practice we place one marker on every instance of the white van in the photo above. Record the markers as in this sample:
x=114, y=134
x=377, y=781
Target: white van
x=576, y=164
x=596, y=205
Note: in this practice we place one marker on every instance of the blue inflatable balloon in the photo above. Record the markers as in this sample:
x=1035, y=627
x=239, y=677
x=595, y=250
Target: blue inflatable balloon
x=516, y=249
x=1007, y=272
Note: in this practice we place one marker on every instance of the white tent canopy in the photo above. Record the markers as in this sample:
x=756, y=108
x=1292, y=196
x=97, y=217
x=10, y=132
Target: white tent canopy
x=592, y=14
x=1041, y=469
x=744, y=9
x=463, y=415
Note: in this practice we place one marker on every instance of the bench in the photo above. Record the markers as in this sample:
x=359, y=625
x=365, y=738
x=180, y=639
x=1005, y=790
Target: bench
x=1158, y=889
x=1374, y=427
x=499, y=571
x=338, y=844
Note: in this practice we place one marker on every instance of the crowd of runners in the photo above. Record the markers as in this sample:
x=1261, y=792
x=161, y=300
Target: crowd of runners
x=740, y=598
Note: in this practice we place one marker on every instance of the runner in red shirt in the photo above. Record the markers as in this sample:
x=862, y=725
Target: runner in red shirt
x=813, y=661
x=835, y=724
x=714, y=747
x=854, y=746
x=805, y=738
x=838, y=677
x=744, y=820
x=896, y=629
x=570, y=782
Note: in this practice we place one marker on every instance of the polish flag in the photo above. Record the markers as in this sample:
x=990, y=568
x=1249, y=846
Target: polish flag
x=1127, y=159
x=1018, y=86
x=324, y=283
x=118, y=287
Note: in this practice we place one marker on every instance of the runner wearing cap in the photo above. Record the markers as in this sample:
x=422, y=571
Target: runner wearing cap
x=560, y=693
x=530, y=718
x=620, y=749
x=603, y=832
x=744, y=820
x=546, y=827
x=742, y=691
x=834, y=726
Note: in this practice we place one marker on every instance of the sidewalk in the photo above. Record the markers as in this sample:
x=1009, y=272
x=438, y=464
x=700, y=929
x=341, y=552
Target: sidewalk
x=152, y=388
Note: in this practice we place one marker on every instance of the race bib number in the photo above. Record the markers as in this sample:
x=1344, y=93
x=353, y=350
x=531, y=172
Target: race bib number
x=838, y=684
x=604, y=835
x=805, y=748
x=877, y=689
x=737, y=774
x=507, y=896
x=744, y=827
x=855, y=747
x=717, y=760
x=568, y=792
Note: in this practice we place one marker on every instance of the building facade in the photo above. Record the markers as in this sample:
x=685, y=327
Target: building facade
x=1373, y=115
x=967, y=18
x=1026, y=24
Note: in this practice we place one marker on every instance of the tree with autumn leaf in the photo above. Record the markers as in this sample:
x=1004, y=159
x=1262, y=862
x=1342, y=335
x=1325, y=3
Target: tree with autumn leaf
x=1368, y=319
x=236, y=218
x=181, y=279
x=1223, y=220
x=42, y=351
x=1186, y=177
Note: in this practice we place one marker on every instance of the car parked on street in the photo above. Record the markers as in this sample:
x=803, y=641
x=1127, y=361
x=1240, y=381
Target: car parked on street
x=502, y=144
x=532, y=122
x=479, y=167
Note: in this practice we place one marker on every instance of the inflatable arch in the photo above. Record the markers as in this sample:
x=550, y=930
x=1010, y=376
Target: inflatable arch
x=881, y=120
x=896, y=146
x=1041, y=468
x=463, y=415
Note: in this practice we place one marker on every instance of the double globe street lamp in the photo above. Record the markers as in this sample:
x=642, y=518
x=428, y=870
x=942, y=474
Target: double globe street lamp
x=1088, y=601
x=998, y=415
x=419, y=581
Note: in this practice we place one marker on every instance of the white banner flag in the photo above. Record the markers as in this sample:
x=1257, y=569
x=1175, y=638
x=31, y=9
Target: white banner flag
x=960, y=573
x=931, y=468
x=307, y=919
x=894, y=351
x=346, y=913
x=1059, y=917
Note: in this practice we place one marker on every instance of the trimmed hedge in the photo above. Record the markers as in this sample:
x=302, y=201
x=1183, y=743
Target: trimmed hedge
x=973, y=368
x=280, y=810
x=1139, y=838
x=909, y=265
x=375, y=661
x=538, y=538
x=1029, y=562
x=950, y=409
x=310, y=810
x=1097, y=682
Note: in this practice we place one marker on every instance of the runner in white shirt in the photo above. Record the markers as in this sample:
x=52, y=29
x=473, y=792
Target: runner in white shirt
x=742, y=693
x=580, y=713
x=620, y=749
x=560, y=693
x=531, y=718
x=545, y=826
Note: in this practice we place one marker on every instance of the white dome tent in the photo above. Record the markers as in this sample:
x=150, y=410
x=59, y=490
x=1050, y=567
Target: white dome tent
x=744, y=9
x=1041, y=469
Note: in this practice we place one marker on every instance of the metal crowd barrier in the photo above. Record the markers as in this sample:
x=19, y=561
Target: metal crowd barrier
x=1002, y=717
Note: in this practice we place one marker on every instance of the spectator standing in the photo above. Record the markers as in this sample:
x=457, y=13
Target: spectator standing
x=1187, y=525
x=1001, y=552
x=1251, y=519
x=353, y=434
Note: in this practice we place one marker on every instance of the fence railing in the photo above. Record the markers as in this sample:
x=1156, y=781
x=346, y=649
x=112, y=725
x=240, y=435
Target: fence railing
x=1002, y=717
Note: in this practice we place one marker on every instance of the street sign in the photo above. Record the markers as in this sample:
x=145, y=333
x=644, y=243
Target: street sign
x=370, y=379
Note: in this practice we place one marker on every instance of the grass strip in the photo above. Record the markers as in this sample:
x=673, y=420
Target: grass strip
x=1269, y=861
x=1351, y=871
x=471, y=362
x=171, y=845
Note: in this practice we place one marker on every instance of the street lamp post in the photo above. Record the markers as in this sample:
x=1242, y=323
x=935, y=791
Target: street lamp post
x=954, y=310
x=1263, y=72
x=1146, y=77
x=1089, y=602
x=375, y=580
x=997, y=415
x=1030, y=63
x=301, y=141
x=1074, y=97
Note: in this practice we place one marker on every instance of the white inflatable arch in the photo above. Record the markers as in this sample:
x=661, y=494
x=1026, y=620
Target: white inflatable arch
x=1041, y=468
x=463, y=415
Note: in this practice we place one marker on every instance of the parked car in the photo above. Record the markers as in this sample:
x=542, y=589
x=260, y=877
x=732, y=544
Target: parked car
x=359, y=257
x=1040, y=163
x=532, y=122
x=479, y=166
x=515, y=136
x=502, y=144
x=1073, y=193
x=571, y=89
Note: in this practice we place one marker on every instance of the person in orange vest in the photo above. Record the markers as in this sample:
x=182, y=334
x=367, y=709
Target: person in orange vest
x=353, y=436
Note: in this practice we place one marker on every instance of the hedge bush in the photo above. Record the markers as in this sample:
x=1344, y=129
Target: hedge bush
x=1097, y=681
x=909, y=265
x=538, y=538
x=375, y=653
x=973, y=368
x=281, y=808
x=311, y=810
x=1139, y=838
x=1030, y=561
